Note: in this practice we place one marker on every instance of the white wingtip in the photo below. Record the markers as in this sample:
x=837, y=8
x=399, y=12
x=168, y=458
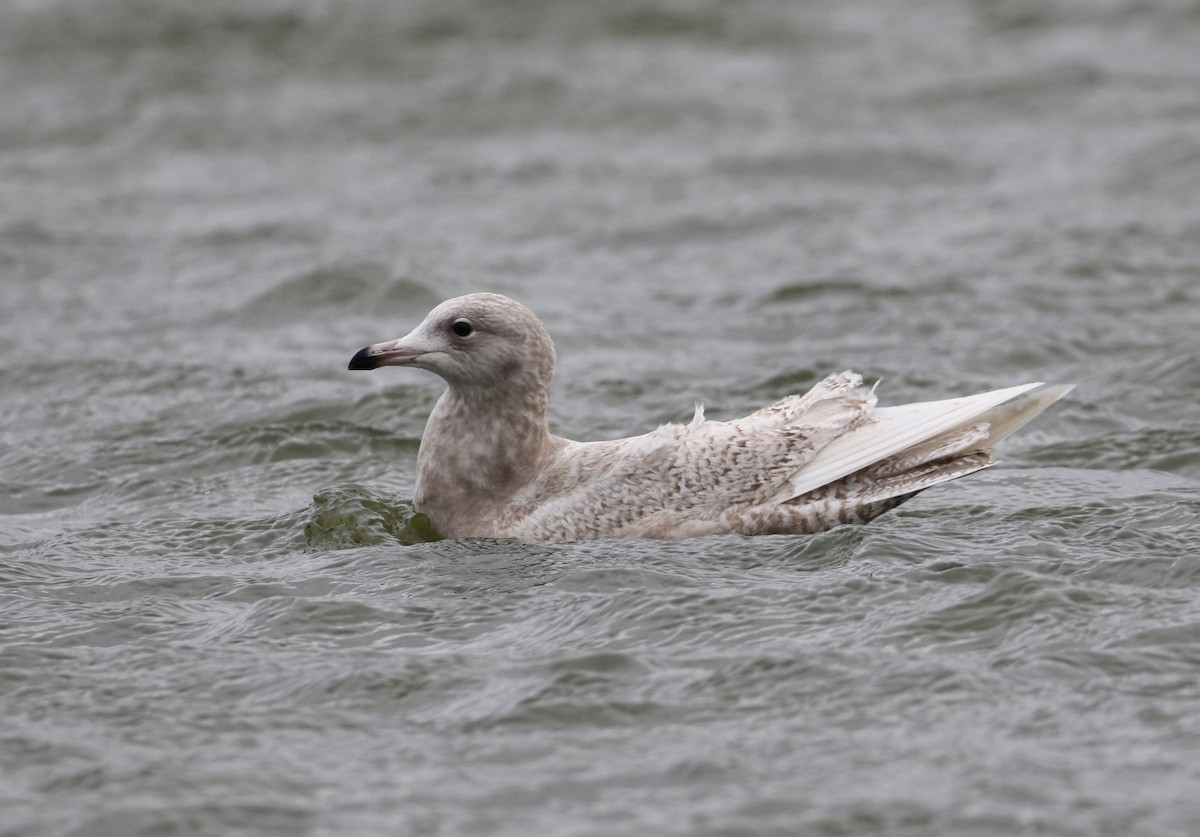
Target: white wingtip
x=891, y=430
x=1010, y=416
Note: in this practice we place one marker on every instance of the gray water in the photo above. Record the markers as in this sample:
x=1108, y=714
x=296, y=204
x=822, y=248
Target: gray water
x=214, y=618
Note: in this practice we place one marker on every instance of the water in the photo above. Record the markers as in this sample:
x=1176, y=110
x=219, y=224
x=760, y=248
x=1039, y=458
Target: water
x=211, y=621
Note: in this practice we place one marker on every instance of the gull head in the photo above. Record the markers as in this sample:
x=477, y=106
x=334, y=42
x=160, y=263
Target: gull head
x=475, y=342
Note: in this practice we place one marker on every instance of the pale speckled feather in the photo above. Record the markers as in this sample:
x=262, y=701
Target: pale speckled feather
x=489, y=467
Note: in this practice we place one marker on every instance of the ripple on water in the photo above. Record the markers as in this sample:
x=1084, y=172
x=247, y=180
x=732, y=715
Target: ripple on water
x=214, y=617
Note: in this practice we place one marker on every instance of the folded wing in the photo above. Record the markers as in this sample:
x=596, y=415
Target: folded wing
x=921, y=433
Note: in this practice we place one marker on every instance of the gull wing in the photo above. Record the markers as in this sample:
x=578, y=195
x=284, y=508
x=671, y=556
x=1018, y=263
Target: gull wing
x=892, y=430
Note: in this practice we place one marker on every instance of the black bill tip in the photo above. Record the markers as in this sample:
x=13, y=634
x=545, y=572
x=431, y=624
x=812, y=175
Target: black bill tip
x=364, y=360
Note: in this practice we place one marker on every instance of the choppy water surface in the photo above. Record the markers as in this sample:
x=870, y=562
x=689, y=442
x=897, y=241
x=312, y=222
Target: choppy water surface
x=211, y=621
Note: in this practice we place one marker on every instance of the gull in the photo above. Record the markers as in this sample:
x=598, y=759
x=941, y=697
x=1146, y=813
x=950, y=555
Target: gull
x=489, y=467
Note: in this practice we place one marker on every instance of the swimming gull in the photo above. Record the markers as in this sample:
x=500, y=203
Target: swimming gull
x=488, y=465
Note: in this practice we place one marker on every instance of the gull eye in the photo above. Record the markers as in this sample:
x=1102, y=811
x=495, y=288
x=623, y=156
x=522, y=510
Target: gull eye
x=463, y=328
